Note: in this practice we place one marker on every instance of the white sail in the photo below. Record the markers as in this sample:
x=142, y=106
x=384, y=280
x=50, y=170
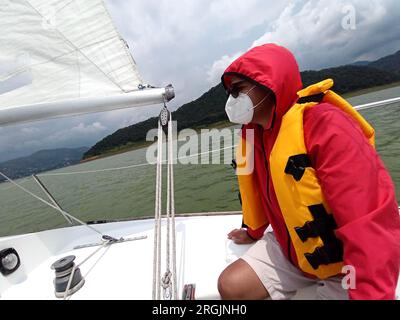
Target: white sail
x=71, y=49
x=53, y=51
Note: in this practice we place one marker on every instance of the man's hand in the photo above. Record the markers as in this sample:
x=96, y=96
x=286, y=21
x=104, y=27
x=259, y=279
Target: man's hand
x=240, y=236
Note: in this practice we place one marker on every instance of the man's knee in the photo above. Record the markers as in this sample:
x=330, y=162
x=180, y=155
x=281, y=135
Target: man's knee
x=229, y=287
x=239, y=281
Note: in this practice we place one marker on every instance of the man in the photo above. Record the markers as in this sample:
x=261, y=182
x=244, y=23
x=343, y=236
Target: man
x=319, y=183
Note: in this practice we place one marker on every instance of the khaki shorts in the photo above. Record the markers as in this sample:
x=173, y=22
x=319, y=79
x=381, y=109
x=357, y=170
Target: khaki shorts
x=282, y=280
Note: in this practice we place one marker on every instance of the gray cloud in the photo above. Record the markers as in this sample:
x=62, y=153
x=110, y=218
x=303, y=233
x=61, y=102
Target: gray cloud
x=314, y=32
x=176, y=42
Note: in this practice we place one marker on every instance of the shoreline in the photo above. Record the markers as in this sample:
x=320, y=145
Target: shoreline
x=143, y=144
x=219, y=125
x=371, y=90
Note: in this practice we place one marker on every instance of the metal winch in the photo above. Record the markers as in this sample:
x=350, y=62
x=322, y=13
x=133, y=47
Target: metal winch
x=63, y=269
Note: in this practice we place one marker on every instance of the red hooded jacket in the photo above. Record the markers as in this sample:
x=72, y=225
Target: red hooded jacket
x=354, y=180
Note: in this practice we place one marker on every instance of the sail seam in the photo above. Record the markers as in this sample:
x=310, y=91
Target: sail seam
x=76, y=48
x=5, y=76
x=128, y=53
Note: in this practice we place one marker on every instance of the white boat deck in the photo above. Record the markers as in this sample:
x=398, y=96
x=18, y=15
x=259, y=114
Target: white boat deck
x=125, y=270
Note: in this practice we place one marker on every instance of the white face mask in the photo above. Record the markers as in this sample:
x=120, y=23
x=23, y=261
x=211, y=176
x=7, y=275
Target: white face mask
x=241, y=109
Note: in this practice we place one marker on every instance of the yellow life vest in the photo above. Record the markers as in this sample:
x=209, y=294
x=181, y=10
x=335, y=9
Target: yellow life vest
x=307, y=215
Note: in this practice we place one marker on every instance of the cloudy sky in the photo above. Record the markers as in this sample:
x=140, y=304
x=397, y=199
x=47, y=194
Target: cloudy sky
x=190, y=43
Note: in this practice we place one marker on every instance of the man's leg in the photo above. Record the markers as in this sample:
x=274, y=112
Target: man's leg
x=262, y=272
x=239, y=282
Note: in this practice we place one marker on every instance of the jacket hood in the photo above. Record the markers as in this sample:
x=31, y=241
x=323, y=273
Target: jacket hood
x=271, y=66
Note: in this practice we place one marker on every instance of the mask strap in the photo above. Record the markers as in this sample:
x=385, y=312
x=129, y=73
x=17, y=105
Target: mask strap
x=250, y=90
x=265, y=98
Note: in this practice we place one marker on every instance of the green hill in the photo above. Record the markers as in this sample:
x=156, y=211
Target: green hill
x=210, y=107
x=351, y=78
x=390, y=63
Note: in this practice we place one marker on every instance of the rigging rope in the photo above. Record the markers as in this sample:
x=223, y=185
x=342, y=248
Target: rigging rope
x=131, y=166
x=63, y=212
x=157, y=222
x=168, y=281
x=172, y=203
x=106, y=243
x=159, y=211
x=77, y=266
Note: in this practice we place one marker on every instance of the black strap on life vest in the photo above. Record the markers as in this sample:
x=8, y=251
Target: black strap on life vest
x=325, y=255
x=314, y=98
x=234, y=166
x=296, y=165
x=322, y=226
